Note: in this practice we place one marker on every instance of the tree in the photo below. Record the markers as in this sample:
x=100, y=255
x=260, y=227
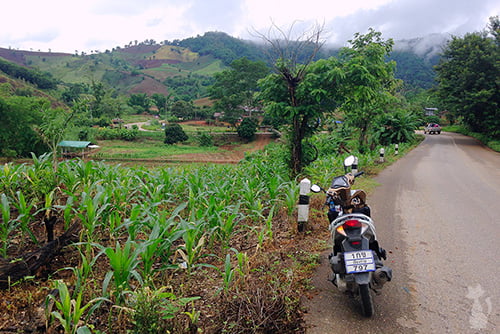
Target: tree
x=234, y=89
x=18, y=115
x=369, y=82
x=140, y=101
x=247, y=128
x=468, y=79
x=299, y=91
x=73, y=91
x=174, y=134
x=53, y=128
x=182, y=109
x=98, y=92
x=160, y=101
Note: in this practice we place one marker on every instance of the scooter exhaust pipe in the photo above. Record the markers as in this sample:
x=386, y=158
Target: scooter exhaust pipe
x=382, y=275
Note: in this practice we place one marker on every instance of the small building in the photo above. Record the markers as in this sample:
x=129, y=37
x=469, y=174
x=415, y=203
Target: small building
x=431, y=111
x=116, y=122
x=70, y=149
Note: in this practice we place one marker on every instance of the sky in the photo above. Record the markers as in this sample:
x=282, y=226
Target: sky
x=99, y=25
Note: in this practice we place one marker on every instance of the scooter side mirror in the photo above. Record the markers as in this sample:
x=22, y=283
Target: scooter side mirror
x=349, y=161
x=315, y=188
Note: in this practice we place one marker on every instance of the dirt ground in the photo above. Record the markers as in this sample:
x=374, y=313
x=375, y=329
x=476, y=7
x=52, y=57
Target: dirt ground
x=230, y=154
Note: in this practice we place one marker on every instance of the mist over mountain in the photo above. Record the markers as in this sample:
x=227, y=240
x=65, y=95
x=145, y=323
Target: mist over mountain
x=186, y=67
x=427, y=47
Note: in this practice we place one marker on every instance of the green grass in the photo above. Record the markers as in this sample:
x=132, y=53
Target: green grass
x=146, y=149
x=195, y=129
x=188, y=128
x=168, y=68
x=211, y=69
x=136, y=118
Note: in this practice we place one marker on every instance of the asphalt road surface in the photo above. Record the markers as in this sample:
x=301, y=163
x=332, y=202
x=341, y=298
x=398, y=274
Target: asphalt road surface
x=437, y=212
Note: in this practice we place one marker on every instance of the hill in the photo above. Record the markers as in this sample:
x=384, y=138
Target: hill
x=184, y=68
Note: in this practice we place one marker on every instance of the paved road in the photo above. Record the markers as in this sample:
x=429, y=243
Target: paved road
x=437, y=211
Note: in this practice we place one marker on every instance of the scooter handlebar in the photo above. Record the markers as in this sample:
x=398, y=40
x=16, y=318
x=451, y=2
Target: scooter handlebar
x=358, y=174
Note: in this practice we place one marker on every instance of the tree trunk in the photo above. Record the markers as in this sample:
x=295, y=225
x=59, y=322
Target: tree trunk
x=296, y=147
x=28, y=265
x=363, y=137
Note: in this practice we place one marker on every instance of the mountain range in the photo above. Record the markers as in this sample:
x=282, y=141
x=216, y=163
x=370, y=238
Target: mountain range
x=186, y=67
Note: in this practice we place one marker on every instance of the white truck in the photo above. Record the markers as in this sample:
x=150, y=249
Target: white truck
x=432, y=128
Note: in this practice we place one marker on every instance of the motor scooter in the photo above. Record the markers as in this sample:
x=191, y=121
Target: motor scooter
x=356, y=259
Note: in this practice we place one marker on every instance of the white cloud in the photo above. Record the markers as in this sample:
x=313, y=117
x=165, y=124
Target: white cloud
x=84, y=25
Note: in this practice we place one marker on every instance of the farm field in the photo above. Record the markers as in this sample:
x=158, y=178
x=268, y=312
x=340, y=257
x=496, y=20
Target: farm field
x=145, y=240
x=232, y=149
x=178, y=248
x=173, y=226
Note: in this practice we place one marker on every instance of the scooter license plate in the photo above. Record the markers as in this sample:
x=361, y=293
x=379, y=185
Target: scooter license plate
x=359, y=261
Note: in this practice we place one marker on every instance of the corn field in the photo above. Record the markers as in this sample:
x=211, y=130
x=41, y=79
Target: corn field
x=184, y=249
x=145, y=235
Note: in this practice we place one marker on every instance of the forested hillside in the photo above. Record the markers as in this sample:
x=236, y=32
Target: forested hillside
x=183, y=68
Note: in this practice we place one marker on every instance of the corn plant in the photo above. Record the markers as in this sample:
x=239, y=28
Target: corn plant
x=156, y=194
x=83, y=270
x=71, y=311
x=169, y=232
x=84, y=171
x=69, y=177
x=12, y=178
x=149, y=249
x=255, y=209
x=136, y=220
x=251, y=193
x=192, y=249
x=7, y=226
x=228, y=220
x=123, y=262
x=291, y=193
x=229, y=272
x=25, y=216
x=68, y=210
x=273, y=187
x=92, y=210
x=269, y=223
x=40, y=175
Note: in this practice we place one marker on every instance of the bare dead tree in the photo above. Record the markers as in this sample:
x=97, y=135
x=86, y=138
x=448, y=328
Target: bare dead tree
x=291, y=56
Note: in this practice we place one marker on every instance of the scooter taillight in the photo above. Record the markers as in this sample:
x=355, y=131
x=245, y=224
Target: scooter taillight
x=352, y=223
x=349, y=225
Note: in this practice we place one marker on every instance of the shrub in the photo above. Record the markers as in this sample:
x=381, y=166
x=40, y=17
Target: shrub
x=205, y=140
x=122, y=134
x=174, y=134
x=396, y=127
x=247, y=128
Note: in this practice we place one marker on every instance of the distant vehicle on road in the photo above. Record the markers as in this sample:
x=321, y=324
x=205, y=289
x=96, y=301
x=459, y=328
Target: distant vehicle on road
x=432, y=128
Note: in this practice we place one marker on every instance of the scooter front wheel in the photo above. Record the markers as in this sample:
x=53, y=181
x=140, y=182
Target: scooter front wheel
x=366, y=300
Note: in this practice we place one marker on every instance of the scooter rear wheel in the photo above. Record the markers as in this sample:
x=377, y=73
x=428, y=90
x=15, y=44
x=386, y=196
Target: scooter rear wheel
x=366, y=300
